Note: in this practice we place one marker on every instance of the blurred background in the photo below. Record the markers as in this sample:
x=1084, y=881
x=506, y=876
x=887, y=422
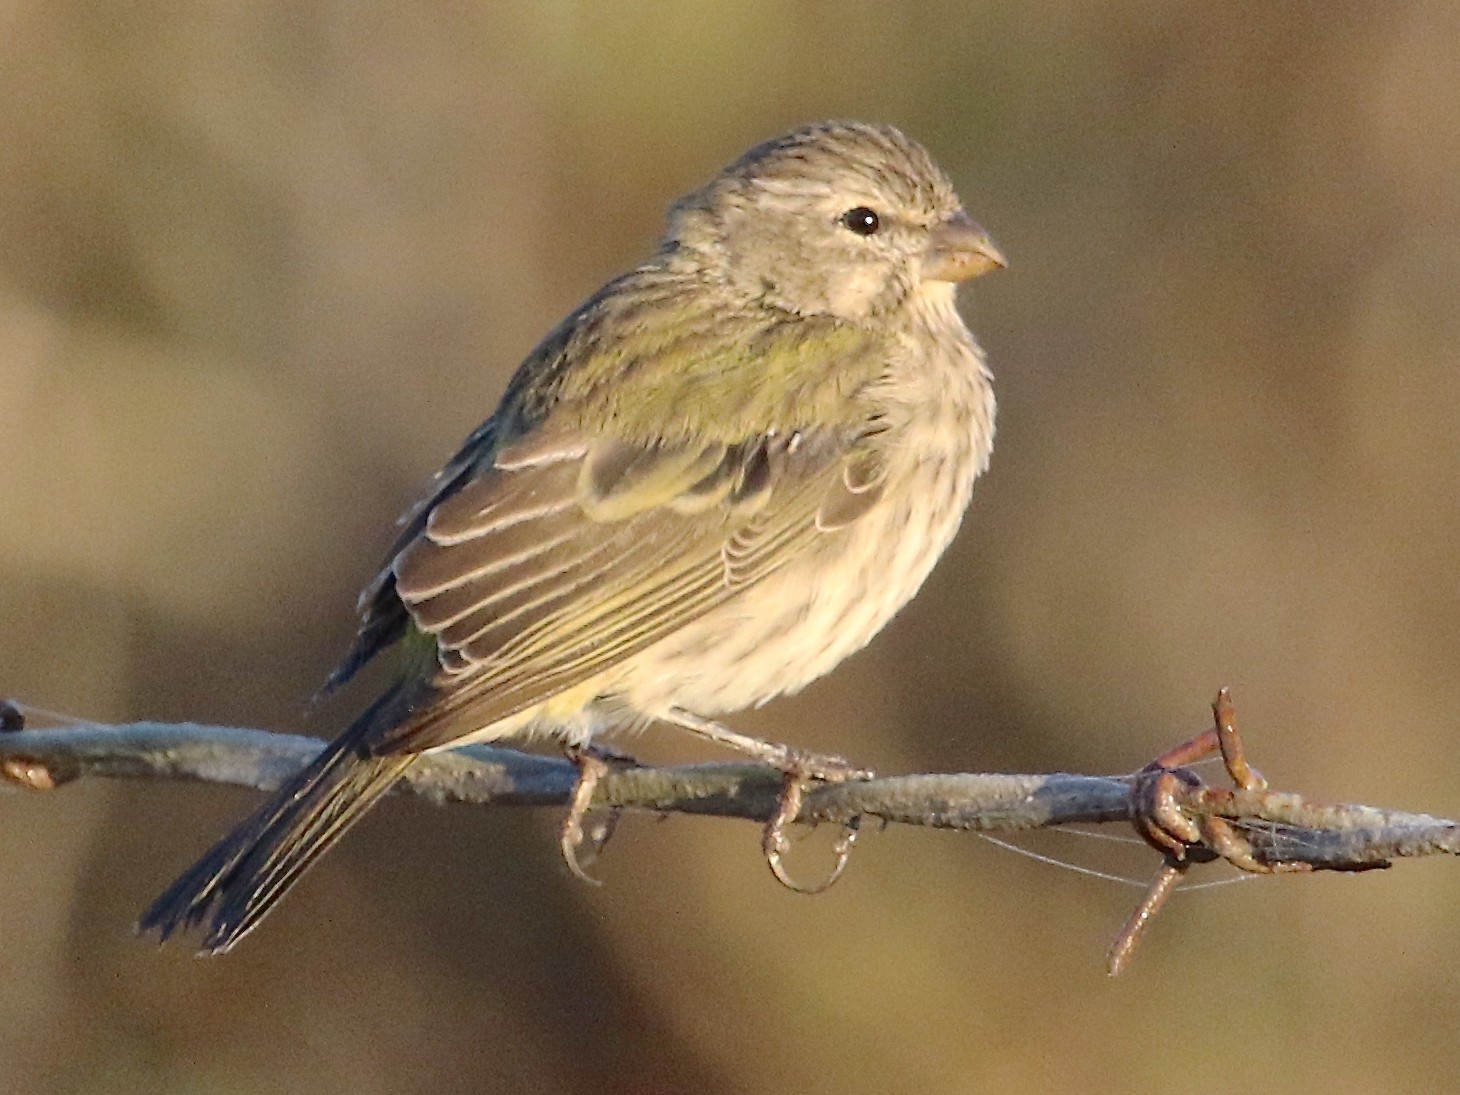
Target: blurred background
x=262, y=265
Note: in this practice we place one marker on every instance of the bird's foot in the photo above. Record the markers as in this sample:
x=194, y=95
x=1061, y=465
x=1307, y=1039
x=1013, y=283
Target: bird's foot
x=593, y=762
x=802, y=770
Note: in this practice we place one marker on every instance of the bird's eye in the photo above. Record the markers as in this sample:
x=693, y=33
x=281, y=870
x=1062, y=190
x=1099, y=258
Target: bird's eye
x=861, y=220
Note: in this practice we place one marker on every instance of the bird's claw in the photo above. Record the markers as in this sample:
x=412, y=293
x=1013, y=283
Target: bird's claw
x=592, y=762
x=802, y=770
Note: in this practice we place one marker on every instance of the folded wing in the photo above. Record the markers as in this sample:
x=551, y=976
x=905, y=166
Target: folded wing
x=569, y=555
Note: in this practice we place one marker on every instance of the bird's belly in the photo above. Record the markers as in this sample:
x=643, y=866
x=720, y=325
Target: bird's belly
x=799, y=623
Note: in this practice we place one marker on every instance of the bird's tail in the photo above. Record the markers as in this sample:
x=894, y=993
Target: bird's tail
x=233, y=887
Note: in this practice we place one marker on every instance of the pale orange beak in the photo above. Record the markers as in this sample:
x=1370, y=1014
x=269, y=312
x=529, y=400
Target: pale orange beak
x=958, y=249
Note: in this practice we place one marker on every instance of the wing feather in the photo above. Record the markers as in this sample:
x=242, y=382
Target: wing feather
x=622, y=546
x=627, y=364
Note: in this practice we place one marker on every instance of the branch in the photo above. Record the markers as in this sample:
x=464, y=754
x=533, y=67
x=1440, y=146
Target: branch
x=1282, y=827
x=1254, y=828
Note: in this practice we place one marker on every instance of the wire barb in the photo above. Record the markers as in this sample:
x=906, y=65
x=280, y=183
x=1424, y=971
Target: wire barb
x=1170, y=807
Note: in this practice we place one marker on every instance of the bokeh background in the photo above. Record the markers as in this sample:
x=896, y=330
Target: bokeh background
x=262, y=265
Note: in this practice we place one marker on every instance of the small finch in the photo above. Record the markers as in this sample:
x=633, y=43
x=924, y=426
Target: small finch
x=718, y=477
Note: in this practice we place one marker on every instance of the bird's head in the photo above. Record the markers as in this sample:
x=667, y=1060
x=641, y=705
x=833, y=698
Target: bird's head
x=839, y=218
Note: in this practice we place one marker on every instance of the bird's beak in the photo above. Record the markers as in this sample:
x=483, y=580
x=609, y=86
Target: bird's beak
x=958, y=249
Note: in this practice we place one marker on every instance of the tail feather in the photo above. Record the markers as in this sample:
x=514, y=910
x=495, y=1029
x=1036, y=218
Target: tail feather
x=237, y=882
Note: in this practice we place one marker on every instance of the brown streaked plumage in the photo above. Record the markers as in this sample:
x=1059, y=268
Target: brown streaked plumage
x=717, y=478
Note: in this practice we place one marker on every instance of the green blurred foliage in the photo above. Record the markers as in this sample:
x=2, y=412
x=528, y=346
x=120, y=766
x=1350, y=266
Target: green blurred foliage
x=263, y=265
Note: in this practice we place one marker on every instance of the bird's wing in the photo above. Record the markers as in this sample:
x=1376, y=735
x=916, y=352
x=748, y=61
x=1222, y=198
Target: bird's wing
x=654, y=362
x=572, y=553
x=383, y=617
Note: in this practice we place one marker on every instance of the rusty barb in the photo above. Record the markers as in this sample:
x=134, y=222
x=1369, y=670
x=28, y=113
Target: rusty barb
x=1182, y=818
x=24, y=771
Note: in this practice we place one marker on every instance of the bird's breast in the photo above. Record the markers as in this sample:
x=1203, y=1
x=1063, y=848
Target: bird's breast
x=800, y=622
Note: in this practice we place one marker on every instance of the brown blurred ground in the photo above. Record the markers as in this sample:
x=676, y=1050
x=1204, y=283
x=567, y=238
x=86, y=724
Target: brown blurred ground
x=263, y=265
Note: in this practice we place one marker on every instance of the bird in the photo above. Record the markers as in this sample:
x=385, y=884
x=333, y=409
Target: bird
x=716, y=479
